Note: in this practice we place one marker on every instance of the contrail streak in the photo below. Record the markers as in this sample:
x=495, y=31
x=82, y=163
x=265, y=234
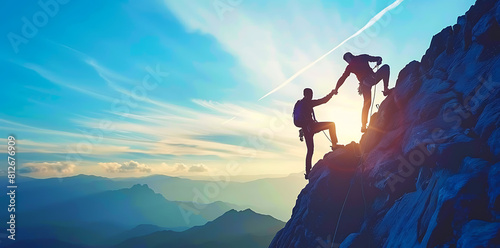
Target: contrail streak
x=368, y=25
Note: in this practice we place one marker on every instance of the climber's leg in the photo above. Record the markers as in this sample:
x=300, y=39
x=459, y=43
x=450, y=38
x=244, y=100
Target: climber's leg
x=383, y=74
x=320, y=126
x=310, y=150
x=367, y=97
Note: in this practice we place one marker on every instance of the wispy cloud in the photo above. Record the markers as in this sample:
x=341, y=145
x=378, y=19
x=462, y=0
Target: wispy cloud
x=65, y=82
x=179, y=132
x=268, y=47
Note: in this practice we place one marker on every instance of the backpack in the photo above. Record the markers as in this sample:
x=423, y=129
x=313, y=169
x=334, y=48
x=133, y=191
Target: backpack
x=299, y=117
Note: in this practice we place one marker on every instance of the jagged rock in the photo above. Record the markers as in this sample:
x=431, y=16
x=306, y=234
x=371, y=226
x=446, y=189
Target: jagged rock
x=438, y=46
x=489, y=120
x=494, y=191
x=480, y=234
x=430, y=161
x=408, y=83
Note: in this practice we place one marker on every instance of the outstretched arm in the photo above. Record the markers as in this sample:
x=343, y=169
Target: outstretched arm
x=370, y=58
x=323, y=100
x=342, y=79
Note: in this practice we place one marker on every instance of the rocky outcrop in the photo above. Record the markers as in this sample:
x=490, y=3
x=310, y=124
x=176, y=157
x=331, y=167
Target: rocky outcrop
x=427, y=172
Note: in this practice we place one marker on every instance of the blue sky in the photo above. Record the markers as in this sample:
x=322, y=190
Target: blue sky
x=131, y=88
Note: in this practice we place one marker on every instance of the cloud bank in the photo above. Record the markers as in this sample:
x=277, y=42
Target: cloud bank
x=48, y=168
x=130, y=166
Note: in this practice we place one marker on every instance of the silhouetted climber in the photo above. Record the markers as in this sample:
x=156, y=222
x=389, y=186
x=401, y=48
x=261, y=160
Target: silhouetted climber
x=303, y=116
x=367, y=78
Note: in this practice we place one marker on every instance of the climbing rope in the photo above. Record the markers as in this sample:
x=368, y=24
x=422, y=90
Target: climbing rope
x=363, y=190
x=345, y=200
x=341, y=211
x=327, y=137
x=374, y=93
x=373, y=101
x=314, y=117
x=361, y=162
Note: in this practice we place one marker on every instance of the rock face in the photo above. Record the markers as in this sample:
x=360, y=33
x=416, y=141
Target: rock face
x=427, y=172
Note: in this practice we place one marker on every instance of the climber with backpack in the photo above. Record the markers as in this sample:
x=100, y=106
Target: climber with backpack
x=367, y=78
x=303, y=117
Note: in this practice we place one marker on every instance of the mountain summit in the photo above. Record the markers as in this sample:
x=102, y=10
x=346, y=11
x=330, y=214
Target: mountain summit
x=427, y=172
x=245, y=229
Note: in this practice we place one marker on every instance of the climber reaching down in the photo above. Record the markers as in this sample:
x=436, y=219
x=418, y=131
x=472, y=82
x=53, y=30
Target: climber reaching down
x=303, y=116
x=367, y=78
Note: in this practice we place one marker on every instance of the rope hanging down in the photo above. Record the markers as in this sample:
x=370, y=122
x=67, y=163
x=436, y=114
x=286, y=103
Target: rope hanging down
x=423, y=74
x=361, y=162
x=374, y=93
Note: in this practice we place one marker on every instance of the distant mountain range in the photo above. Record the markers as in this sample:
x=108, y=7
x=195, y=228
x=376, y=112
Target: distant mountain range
x=276, y=195
x=94, y=211
x=233, y=229
x=108, y=216
x=127, y=208
x=242, y=229
x=209, y=211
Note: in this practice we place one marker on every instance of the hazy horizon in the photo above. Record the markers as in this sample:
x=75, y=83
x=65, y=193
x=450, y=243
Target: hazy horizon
x=240, y=178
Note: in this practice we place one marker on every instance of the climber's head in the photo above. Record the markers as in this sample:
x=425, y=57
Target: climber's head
x=348, y=57
x=308, y=94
